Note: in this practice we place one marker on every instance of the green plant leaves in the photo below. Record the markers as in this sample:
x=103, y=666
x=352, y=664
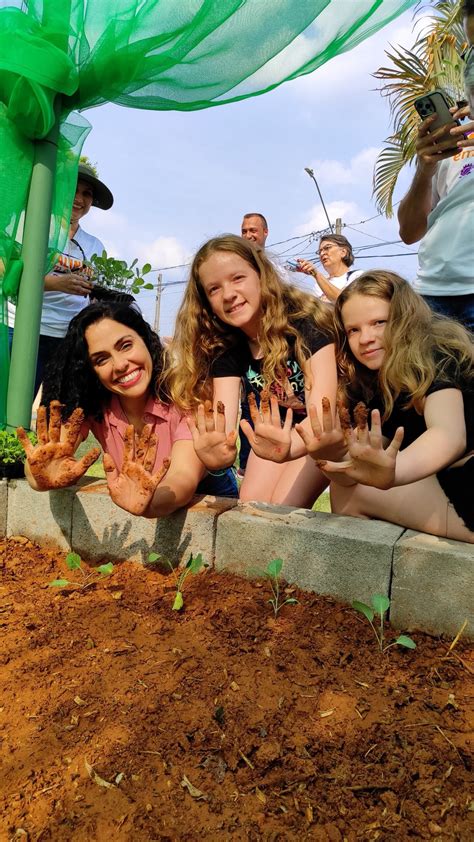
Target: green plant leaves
x=364, y=609
x=58, y=583
x=195, y=563
x=380, y=602
x=146, y=268
x=291, y=601
x=403, y=640
x=178, y=602
x=153, y=558
x=274, y=567
x=106, y=569
x=73, y=561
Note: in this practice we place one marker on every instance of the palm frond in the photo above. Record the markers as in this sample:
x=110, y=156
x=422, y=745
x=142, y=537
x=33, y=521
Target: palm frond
x=432, y=62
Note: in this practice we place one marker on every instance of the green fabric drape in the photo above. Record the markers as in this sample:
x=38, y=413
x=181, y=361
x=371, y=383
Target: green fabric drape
x=159, y=54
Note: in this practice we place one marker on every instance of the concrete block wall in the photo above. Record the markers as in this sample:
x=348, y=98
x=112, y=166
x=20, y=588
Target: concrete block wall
x=430, y=581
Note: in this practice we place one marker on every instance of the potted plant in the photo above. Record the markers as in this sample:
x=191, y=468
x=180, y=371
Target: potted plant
x=12, y=455
x=114, y=276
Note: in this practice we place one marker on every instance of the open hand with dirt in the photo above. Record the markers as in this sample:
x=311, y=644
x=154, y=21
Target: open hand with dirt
x=215, y=448
x=51, y=463
x=132, y=487
x=269, y=438
x=368, y=462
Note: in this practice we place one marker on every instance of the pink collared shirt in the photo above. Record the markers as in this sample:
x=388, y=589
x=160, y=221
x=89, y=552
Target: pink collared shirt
x=168, y=424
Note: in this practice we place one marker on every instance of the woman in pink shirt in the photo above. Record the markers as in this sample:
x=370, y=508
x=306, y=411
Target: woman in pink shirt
x=107, y=379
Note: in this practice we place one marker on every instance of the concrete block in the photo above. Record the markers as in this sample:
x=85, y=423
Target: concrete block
x=45, y=516
x=101, y=530
x=342, y=556
x=3, y=507
x=433, y=584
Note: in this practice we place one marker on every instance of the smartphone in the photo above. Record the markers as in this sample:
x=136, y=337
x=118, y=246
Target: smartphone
x=435, y=102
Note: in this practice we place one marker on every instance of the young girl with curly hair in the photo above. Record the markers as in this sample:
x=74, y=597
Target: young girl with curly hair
x=239, y=321
x=414, y=372
x=109, y=371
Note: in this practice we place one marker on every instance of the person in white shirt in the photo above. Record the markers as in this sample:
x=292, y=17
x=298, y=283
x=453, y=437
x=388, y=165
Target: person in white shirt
x=439, y=207
x=335, y=253
x=67, y=286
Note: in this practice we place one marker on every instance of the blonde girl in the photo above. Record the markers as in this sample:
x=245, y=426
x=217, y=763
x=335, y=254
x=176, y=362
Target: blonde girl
x=414, y=370
x=240, y=321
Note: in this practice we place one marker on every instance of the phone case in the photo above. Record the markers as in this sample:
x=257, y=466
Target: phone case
x=434, y=102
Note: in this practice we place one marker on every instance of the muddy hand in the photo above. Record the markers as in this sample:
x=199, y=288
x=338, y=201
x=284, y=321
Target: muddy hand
x=51, y=462
x=133, y=486
x=322, y=440
x=269, y=439
x=369, y=463
x=215, y=448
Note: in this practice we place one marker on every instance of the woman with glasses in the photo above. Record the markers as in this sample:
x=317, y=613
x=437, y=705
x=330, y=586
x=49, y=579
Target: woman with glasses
x=336, y=256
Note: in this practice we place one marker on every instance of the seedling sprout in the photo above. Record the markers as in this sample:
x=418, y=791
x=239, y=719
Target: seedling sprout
x=73, y=561
x=272, y=572
x=381, y=604
x=193, y=565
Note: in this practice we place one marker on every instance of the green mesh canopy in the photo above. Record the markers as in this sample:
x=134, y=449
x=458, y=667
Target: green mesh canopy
x=59, y=57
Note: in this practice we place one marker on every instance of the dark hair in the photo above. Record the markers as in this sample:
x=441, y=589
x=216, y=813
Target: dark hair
x=103, y=294
x=343, y=243
x=69, y=376
x=260, y=216
x=467, y=8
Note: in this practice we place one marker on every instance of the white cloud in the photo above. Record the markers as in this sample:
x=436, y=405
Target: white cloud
x=160, y=252
x=316, y=219
x=351, y=72
x=358, y=170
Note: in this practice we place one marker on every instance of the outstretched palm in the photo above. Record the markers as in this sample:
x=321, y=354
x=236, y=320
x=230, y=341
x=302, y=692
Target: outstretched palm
x=215, y=448
x=133, y=486
x=269, y=439
x=326, y=440
x=369, y=463
x=51, y=461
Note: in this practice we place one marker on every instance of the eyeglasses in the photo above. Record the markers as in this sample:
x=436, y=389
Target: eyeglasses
x=325, y=249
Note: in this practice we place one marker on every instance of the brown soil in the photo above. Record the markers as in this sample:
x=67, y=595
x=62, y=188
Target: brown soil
x=219, y=723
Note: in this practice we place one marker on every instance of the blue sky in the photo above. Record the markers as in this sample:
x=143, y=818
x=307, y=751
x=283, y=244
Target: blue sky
x=180, y=178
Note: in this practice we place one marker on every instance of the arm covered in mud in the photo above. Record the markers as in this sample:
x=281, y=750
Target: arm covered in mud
x=51, y=463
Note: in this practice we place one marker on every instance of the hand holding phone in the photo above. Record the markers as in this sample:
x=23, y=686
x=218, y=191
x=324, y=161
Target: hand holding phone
x=435, y=141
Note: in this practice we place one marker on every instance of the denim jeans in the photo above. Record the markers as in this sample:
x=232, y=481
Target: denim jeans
x=220, y=486
x=459, y=307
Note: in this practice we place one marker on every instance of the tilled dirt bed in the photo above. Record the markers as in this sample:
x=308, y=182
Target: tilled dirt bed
x=123, y=720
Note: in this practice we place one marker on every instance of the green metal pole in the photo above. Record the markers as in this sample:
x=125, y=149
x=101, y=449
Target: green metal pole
x=30, y=298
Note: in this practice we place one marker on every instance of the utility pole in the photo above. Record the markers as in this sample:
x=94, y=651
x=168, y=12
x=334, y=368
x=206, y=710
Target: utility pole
x=338, y=225
x=312, y=175
x=159, y=289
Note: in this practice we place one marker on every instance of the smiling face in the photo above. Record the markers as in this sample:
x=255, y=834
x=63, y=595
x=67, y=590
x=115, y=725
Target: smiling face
x=232, y=287
x=254, y=229
x=120, y=358
x=364, y=318
x=82, y=201
x=331, y=256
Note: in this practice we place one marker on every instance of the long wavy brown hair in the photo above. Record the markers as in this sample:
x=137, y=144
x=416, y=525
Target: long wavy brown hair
x=420, y=346
x=200, y=336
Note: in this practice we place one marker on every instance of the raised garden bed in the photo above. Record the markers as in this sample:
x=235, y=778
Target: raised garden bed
x=220, y=722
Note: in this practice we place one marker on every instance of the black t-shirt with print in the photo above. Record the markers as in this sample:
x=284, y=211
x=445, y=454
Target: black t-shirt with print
x=238, y=362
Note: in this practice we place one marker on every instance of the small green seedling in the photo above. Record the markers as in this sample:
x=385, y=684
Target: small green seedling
x=73, y=561
x=153, y=558
x=272, y=572
x=381, y=604
x=193, y=565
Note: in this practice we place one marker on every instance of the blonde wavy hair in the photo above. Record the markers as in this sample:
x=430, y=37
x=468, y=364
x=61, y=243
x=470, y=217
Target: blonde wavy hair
x=201, y=336
x=420, y=346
